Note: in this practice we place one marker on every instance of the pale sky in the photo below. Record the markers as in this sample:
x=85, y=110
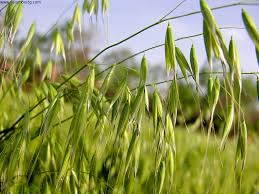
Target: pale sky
x=128, y=16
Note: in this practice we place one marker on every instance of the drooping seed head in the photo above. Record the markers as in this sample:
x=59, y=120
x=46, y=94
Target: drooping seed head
x=250, y=27
x=170, y=57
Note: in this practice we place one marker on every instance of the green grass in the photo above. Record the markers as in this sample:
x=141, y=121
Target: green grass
x=97, y=155
x=217, y=173
x=75, y=140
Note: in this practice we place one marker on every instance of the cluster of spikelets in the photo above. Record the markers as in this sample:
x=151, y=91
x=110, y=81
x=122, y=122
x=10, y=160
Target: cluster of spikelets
x=99, y=148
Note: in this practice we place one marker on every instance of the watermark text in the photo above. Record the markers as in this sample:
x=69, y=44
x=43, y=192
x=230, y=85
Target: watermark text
x=25, y=2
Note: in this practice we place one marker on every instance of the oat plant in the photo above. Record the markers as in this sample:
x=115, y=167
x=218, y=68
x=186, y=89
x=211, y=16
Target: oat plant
x=70, y=136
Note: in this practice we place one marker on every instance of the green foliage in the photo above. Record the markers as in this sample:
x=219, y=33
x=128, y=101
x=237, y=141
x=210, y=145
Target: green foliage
x=58, y=44
x=181, y=60
x=170, y=50
x=74, y=136
x=194, y=65
x=29, y=38
x=12, y=20
x=207, y=42
x=251, y=27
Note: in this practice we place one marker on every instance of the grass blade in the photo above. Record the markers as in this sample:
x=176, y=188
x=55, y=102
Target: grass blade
x=143, y=71
x=170, y=50
x=241, y=149
x=182, y=63
x=207, y=15
x=77, y=17
x=251, y=27
x=228, y=125
x=161, y=177
x=194, y=65
x=131, y=148
x=208, y=42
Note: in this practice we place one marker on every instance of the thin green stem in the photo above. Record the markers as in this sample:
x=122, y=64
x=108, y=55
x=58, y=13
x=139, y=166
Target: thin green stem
x=201, y=74
x=170, y=12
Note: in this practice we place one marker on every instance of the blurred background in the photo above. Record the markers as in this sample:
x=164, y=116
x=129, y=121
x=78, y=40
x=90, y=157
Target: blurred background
x=126, y=17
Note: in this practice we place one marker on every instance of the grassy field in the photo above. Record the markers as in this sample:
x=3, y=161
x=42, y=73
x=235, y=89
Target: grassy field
x=214, y=172
x=195, y=172
x=69, y=135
